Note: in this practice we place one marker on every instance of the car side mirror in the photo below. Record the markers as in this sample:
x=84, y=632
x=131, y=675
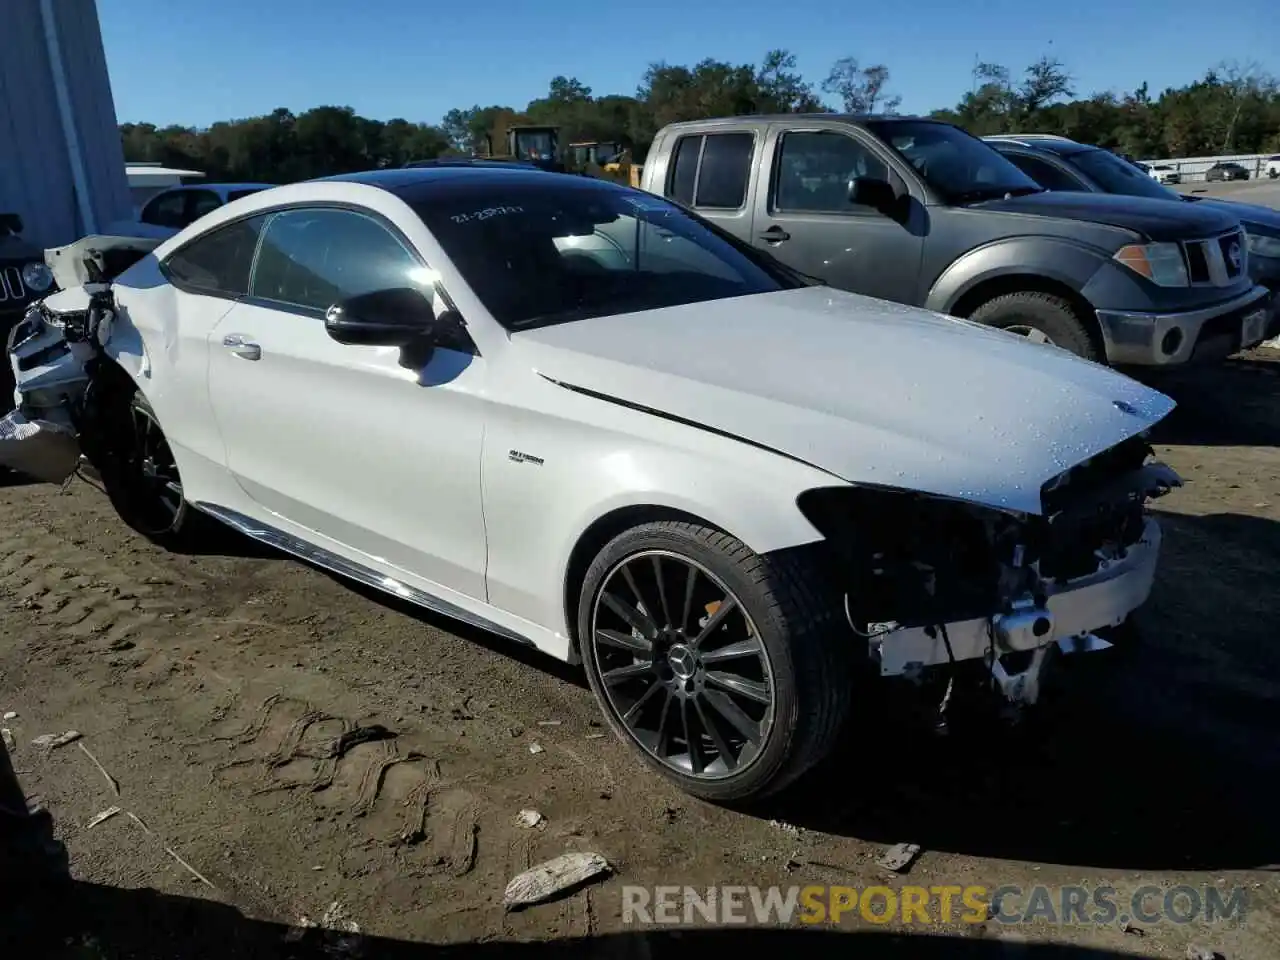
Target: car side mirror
x=873, y=192
x=382, y=318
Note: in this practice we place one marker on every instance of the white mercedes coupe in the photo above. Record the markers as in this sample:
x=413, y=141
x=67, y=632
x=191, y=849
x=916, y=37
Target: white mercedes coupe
x=584, y=418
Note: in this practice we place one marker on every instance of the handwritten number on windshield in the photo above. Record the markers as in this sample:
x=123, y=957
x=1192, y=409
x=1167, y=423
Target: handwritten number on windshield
x=477, y=216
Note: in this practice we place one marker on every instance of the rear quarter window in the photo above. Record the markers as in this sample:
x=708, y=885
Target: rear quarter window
x=217, y=263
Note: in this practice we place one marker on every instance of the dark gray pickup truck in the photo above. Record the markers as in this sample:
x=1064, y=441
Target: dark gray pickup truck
x=921, y=212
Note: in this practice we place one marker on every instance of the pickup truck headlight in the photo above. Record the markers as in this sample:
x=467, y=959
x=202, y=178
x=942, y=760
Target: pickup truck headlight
x=37, y=277
x=1161, y=263
x=1260, y=246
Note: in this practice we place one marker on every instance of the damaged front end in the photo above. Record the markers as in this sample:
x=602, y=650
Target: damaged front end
x=55, y=352
x=937, y=586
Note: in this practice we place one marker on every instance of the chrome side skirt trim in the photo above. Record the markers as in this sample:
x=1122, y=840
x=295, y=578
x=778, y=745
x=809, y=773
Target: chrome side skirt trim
x=327, y=560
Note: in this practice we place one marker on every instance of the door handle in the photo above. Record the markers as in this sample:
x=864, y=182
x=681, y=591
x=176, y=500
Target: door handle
x=775, y=234
x=242, y=346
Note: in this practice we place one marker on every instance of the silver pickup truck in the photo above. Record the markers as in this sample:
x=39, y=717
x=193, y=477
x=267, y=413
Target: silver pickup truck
x=921, y=212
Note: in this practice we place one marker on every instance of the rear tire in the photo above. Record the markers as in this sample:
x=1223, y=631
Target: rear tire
x=724, y=631
x=1049, y=315
x=142, y=479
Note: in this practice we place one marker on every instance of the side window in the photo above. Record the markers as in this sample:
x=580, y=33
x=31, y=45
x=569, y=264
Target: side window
x=166, y=210
x=684, y=169
x=314, y=258
x=202, y=202
x=725, y=171
x=217, y=263
x=1043, y=173
x=719, y=181
x=814, y=169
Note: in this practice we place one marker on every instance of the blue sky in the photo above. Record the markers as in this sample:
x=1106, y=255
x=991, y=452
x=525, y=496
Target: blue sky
x=196, y=62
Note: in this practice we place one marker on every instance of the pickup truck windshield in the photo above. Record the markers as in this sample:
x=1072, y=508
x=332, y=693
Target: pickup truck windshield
x=960, y=167
x=560, y=250
x=1117, y=176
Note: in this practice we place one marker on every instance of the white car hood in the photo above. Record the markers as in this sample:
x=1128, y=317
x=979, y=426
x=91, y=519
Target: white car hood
x=869, y=391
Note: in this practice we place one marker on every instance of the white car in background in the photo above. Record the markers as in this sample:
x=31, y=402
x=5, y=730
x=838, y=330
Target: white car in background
x=578, y=416
x=1164, y=173
x=169, y=211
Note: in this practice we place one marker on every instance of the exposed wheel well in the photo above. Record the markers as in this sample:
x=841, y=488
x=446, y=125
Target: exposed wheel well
x=592, y=541
x=988, y=290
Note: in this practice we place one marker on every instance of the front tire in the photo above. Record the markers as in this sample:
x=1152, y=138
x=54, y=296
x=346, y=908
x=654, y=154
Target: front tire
x=720, y=666
x=1042, y=317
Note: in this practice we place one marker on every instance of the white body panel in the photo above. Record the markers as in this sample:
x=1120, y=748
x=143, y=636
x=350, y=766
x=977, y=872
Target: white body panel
x=473, y=479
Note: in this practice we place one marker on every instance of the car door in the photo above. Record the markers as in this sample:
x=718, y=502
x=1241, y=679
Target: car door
x=711, y=172
x=804, y=216
x=200, y=202
x=344, y=440
x=164, y=215
x=175, y=306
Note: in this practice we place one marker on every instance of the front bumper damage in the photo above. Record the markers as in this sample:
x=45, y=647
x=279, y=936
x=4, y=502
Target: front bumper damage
x=49, y=354
x=984, y=599
x=53, y=351
x=1065, y=617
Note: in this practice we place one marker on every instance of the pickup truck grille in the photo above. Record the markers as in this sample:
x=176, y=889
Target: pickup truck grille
x=1210, y=263
x=12, y=290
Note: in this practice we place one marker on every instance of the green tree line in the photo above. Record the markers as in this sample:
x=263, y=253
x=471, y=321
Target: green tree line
x=1233, y=108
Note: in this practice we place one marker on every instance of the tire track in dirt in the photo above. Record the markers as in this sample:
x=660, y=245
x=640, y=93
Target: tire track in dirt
x=84, y=595
x=397, y=796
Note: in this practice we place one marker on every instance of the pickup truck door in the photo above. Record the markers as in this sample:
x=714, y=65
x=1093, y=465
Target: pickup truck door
x=803, y=215
x=710, y=171
x=342, y=439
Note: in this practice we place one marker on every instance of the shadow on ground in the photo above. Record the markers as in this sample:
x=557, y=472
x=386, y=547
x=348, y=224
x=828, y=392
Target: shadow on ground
x=1236, y=403
x=1150, y=759
x=46, y=915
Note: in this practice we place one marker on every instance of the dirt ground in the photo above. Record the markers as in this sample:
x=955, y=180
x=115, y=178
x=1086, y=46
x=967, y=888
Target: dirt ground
x=215, y=689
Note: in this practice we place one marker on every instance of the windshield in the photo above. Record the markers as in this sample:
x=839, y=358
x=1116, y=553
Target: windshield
x=1116, y=176
x=570, y=249
x=960, y=167
x=535, y=145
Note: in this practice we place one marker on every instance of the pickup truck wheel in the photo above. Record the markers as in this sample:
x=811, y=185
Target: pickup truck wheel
x=143, y=481
x=719, y=665
x=1041, y=317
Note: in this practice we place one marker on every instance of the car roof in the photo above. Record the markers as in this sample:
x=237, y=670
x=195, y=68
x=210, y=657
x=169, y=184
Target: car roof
x=1049, y=143
x=418, y=183
x=855, y=118
x=221, y=187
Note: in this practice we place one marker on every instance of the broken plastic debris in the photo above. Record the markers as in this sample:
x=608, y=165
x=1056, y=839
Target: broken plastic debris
x=1201, y=953
x=535, y=748
x=106, y=814
x=51, y=741
x=548, y=723
x=11, y=715
x=7, y=735
x=899, y=856
x=39, y=449
x=561, y=873
x=530, y=818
